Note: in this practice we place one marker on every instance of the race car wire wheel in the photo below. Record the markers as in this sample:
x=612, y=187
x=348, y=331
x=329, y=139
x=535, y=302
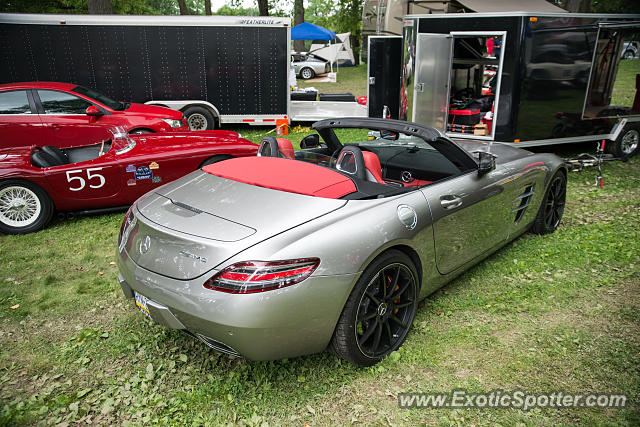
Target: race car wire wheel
x=386, y=310
x=554, y=204
x=19, y=206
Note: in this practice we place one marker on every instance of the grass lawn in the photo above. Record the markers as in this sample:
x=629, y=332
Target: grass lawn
x=546, y=313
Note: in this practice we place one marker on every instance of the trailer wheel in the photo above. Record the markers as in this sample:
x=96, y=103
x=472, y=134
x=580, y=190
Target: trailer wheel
x=199, y=118
x=307, y=73
x=628, y=142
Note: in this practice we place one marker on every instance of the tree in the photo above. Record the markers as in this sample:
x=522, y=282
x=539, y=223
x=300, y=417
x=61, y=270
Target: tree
x=340, y=16
x=207, y=7
x=263, y=7
x=298, y=18
x=99, y=7
x=183, y=7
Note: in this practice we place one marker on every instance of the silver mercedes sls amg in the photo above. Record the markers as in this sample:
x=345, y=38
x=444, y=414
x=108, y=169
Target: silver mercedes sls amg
x=333, y=246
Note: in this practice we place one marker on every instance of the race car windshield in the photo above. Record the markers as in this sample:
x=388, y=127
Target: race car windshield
x=103, y=99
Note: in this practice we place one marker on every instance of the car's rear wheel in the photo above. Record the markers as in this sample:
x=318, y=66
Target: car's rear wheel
x=379, y=312
x=552, y=208
x=199, y=118
x=24, y=207
x=307, y=73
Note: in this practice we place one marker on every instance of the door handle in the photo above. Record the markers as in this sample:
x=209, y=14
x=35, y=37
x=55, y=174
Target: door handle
x=372, y=81
x=451, y=203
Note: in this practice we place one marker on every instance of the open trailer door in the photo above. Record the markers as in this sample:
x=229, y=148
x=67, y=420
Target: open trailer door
x=604, y=69
x=432, y=75
x=383, y=65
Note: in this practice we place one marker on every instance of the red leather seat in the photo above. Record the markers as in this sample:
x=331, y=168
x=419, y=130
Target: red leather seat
x=286, y=148
x=372, y=164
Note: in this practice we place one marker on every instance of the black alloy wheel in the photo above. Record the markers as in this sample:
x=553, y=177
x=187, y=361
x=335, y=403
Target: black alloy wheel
x=552, y=208
x=379, y=312
x=385, y=311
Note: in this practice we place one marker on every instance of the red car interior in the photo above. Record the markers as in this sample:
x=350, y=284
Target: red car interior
x=286, y=148
x=372, y=163
x=284, y=175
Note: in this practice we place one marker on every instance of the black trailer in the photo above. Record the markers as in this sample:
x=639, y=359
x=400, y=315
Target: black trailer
x=215, y=70
x=529, y=79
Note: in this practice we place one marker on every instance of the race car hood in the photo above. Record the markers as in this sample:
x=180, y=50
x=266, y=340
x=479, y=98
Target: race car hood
x=188, y=227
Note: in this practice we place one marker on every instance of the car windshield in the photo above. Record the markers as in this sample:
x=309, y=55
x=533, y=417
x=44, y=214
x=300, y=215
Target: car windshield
x=103, y=99
x=122, y=142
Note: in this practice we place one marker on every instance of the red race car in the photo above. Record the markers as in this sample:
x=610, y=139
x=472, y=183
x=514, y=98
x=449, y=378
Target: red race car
x=63, y=114
x=36, y=181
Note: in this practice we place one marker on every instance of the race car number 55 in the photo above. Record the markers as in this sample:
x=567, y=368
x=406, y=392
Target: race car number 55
x=81, y=182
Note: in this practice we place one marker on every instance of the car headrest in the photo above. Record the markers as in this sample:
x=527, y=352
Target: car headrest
x=60, y=156
x=268, y=147
x=372, y=164
x=42, y=159
x=286, y=148
x=351, y=161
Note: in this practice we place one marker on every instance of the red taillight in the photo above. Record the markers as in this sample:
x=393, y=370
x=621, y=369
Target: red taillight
x=259, y=276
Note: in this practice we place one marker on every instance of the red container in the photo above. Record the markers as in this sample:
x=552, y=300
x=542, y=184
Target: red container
x=465, y=117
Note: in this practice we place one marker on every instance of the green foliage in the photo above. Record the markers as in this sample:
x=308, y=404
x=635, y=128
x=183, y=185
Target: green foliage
x=227, y=10
x=615, y=6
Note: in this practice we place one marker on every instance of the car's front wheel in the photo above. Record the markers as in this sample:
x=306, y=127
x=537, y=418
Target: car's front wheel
x=307, y=73
x=24, y=207
x=552, y=208
x=379, y=312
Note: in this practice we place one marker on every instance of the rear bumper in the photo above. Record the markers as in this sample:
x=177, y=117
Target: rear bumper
x=287, y=322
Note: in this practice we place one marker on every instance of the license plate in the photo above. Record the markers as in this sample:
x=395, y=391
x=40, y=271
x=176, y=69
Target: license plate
x=141, y=302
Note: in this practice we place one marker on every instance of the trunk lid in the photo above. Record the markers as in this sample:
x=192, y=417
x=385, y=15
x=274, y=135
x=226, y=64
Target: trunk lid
x=190, y=226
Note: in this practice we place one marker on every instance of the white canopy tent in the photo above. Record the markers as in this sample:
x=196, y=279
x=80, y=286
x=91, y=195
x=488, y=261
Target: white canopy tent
x=338, y=50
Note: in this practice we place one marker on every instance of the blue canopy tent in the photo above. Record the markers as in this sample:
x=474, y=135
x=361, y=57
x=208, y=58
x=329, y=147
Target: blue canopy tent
x=308, y=31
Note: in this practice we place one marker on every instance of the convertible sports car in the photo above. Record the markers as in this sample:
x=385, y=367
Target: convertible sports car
x=286, y=254
x=36, y=181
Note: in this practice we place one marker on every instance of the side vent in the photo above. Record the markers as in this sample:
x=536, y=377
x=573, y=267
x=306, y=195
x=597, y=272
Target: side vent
x=522, y=202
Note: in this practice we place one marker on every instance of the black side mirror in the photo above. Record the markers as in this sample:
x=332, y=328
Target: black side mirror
x=310, y=141
x=486, y=162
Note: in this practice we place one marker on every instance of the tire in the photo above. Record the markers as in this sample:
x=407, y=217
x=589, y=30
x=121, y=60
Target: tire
x=629, y=54
x=199, y=118
x=140, y=131
x=628, y=142
x=214, y=159
x=385, y=312
x=307, y=73
x=24, y=207
x=552, y=207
